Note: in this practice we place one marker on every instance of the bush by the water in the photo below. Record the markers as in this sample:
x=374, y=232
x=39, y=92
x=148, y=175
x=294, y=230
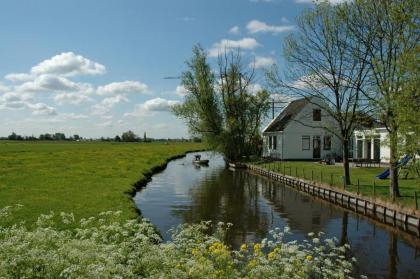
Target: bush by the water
x=106, y=247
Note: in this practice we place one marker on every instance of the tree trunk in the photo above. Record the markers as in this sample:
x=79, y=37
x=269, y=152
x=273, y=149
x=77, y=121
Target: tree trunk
x=393, y=170
x=346, y=162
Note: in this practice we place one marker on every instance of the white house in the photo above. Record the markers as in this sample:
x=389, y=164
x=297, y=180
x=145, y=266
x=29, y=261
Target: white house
x=296, y=133
x=371, y=143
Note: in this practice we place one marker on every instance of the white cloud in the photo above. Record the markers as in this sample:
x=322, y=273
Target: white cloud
x=71, y=98
x=4, y=88
x=18, y=77
x=123, y=87
x=68, y=64
x=262, y=62
x=13, y=100
x=51, y=83
x=235, y=30
x=153, y=105
x=181, y=91
x=225, y=44
x=159, y=104
x=256, y=26
x=255, y=88
x=107, y=104
x=42, y=109
x=72, y=116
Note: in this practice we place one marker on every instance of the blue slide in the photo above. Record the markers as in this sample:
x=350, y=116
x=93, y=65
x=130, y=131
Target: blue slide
x=401, y=163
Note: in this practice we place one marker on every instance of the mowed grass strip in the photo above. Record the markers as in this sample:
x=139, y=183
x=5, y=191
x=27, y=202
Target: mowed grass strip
x=84, y=178
x=365, y=176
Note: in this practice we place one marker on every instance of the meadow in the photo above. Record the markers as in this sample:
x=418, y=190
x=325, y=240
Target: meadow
x=84, y=178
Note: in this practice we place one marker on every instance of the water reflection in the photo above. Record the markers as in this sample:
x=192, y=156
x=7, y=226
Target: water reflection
x=183, y=193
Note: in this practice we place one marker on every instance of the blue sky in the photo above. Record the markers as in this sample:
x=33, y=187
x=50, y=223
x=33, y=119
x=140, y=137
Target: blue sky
x=96, y=68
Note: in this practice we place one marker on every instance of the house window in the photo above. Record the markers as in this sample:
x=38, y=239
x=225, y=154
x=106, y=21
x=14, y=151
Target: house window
x=327, y=142
x=306, y=142
x=270, y=142
x=316, y=115
x=274, y=142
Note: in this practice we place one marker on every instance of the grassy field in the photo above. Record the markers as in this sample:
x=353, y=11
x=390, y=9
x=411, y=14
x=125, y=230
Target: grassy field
x=82, y=178
x=365, y=176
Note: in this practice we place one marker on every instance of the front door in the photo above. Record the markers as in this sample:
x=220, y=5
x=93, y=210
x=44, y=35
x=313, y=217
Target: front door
x=316, y=147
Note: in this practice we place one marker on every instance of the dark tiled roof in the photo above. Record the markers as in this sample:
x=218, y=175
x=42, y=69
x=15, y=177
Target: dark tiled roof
x=280, y=122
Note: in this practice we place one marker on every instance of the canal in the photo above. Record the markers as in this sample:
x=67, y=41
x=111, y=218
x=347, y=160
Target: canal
x=184, y=193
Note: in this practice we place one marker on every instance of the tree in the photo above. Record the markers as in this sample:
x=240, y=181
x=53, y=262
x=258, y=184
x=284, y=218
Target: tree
x=389, y=30
x=13, y=136
x=117, y=138
x=129, y=136
x=328, y=68
x=223, y=111
x=59, y=136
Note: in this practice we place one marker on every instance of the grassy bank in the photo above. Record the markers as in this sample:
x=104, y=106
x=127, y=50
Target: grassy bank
x=332, y=175
x=82, y=178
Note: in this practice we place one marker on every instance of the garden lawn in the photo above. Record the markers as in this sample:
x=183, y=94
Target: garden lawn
x=77, y=177
x=365, y=176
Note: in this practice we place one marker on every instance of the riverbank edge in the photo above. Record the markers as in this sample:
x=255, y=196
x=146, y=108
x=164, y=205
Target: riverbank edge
x=391, y=214
x=147, y=177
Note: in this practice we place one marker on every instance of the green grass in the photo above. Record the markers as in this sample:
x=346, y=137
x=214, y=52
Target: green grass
x=82, y=178
x=365, y=176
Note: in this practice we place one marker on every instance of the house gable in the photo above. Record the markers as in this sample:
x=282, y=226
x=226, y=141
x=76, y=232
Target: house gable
x=282, y=120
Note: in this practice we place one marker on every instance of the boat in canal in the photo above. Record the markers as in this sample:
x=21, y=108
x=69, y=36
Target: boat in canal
x=198, y=161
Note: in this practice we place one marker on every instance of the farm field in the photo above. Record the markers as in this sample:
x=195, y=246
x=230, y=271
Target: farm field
x=365, y=176
x=84, y=178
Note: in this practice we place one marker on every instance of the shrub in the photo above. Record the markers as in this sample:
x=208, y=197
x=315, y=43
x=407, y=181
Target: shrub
x=105, y=247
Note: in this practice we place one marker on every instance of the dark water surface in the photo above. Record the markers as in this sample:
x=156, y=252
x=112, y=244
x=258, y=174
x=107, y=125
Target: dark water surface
x=184, y=193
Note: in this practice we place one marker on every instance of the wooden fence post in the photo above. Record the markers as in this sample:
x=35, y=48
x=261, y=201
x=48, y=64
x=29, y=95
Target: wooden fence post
x=374, y=190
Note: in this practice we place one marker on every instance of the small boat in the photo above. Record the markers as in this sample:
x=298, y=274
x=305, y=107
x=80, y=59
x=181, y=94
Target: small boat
x=197, y=160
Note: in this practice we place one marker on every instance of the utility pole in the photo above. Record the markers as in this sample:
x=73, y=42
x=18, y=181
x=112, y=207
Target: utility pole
x=277, y=105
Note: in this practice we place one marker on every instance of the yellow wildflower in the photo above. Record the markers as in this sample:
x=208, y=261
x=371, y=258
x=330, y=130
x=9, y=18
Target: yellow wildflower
x=252, y=263
x=178, y=265
x=194, y=251
x=257, y=247
x=271, y=255
x=309, y=258
x=244, y=247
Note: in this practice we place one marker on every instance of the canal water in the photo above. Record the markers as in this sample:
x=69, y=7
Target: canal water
x=185, y=193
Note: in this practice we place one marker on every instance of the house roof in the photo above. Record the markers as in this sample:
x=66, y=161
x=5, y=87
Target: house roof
x=281, y=121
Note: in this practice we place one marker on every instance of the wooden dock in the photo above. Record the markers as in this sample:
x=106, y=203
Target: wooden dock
x=405, y=220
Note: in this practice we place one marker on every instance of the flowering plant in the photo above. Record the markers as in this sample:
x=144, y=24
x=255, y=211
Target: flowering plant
x=105, y=247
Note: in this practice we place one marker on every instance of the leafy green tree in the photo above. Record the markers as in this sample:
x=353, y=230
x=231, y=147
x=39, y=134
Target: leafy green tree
x=129, y=136
x=389, y=30
x=13, y=136
x=222, y=110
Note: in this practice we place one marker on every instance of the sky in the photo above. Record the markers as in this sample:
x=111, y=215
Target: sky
x=96, y=67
